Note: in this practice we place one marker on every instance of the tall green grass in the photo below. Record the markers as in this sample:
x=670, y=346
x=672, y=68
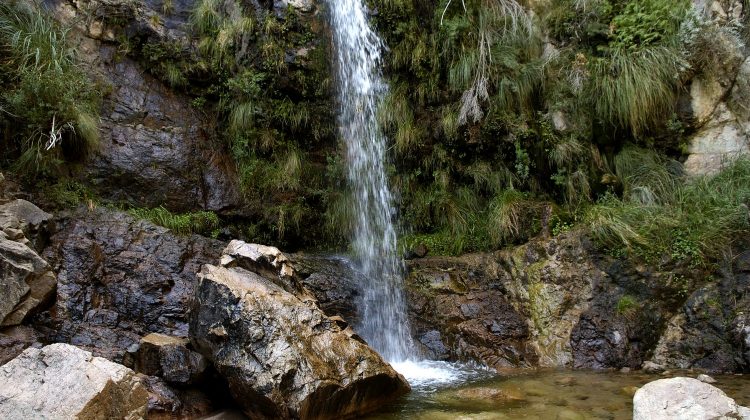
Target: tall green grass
x=49, y=104
x=635, y=90
x=665, y=216
x=201, y=222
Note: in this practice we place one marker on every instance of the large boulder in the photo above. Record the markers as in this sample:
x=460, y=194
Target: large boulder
x=684, y=398
x=281, y=355
x=120, y=279
x=61, y=381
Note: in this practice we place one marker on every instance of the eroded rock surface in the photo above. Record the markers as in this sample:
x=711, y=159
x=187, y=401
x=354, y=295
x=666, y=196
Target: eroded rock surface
x=120, y=279
x=61, y=381
x=281, y=355
x=560, y=302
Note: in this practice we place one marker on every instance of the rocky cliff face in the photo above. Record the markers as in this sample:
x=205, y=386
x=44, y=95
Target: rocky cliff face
x=561, y=303
x=156, y=149
x=717, y=97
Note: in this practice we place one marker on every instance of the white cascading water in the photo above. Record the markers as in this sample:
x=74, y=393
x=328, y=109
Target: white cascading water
x=361, y=88
x=385, y=325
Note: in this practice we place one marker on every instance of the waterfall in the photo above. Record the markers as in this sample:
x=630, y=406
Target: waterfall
x=360, y=86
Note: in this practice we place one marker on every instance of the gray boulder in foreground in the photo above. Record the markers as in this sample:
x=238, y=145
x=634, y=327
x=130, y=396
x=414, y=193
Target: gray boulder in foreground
x=684, y=399
x=281, y=355
x=61, y=381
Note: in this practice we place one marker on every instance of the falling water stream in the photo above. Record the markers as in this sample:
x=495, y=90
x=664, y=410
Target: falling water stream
x=361, y=88
x=441, y=390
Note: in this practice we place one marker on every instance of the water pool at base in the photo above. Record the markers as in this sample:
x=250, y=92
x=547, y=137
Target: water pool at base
x=443, y=390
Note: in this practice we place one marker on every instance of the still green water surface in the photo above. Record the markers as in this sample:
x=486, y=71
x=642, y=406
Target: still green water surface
x=544, y=394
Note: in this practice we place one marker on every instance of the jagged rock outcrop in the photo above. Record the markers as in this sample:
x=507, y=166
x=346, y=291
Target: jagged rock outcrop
x=281, y=355
x=334, y=282
x=120, y=279
x=34, y=223
x=61, y=381
x=684, y=398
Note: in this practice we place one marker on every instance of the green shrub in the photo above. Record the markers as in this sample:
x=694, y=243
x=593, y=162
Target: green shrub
x=627, y=306
x=645, y=23
x=49, y=105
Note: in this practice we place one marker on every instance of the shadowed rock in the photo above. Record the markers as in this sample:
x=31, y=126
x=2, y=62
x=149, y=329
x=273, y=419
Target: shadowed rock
x=120, y=279
x=168, y=357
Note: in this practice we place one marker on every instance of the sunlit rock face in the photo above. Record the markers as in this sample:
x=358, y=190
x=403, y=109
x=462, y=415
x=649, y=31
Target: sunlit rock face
x=281, y=355
x=63, y=381
x=718, y=95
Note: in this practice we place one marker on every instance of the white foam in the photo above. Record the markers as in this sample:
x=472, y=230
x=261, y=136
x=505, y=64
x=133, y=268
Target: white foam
x=424, y=374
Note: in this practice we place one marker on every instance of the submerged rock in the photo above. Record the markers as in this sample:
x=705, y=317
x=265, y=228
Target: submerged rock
x=684, y=398
x=61, y=381
x=705, y=378
x=281, y=355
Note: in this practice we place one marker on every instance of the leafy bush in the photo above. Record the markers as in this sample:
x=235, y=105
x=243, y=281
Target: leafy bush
x=274, y=115
x=645, y=23
x=48, y=104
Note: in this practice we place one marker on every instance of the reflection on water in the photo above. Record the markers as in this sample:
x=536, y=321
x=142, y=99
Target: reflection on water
x=546, y=394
